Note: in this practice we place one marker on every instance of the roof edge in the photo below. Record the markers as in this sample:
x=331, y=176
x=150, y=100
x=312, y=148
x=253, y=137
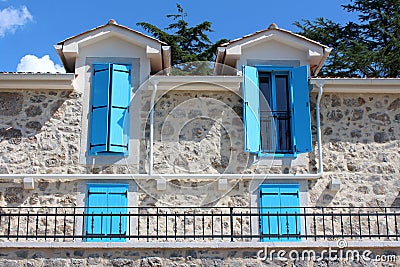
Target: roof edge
x=111, y=23
x=273, y=29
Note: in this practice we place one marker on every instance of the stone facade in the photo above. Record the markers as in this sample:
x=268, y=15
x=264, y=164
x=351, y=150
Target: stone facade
x=181, y=257
x=202, y=133
x=40, y=132
x=361, y=136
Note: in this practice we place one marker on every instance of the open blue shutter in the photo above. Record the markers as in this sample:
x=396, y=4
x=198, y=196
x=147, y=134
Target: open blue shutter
x=270, y=208
x=99, y=108
x=301, y=110
x=119, y=112
x=117, y=203
x=290, y=204
x=251, y=110
x=97, y=204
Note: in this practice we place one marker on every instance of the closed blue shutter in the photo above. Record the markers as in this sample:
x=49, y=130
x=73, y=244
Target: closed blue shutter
x=301, y=110
x=119, y=112
x=99, y=122
x=290, y=204
x=96, y=204
x=251, y=110
x=117, y=206
x=270, y=207
x=111, y=200
x=279, y=205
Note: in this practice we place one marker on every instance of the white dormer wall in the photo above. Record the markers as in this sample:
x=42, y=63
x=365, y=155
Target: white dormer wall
x=272, y=53
x=274, y=47
x=113, y=50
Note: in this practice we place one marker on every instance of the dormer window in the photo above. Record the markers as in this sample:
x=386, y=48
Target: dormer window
x=276, y=110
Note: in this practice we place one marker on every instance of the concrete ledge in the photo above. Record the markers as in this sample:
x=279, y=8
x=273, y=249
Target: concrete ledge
x=200, y=245
x=36, y=81
x=357, y=85
x=164, y=176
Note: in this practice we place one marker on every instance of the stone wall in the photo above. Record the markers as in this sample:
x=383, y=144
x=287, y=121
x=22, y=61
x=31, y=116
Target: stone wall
x=361, y=139
x=202, y=133
x=40, y=132
x=194, y=133
x=178, y=257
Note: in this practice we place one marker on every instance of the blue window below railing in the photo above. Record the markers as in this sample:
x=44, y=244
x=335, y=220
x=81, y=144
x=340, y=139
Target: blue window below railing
x=106, y=212
x=280, y=212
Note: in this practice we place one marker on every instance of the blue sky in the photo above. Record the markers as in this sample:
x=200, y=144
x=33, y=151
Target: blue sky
x=32, y=27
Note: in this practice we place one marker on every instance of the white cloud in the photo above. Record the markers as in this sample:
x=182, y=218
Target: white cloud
x=31, y=63
x=11, y=18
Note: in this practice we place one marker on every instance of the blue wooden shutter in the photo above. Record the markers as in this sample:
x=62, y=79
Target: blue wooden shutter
x=279, y=204
x=301, y=110
x=290, y=204
x=96, y=226
x=117, y=206
x=251, y=110
x=270, y=208
x=112, y=201
x=99, y=122
x=119, y=110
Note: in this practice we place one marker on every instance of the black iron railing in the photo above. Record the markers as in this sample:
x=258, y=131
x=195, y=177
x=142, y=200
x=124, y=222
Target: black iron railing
x=197, y=224
x=275, y=131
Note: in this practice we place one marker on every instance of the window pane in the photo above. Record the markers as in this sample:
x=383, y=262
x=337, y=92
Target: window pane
x=267, y=125
x=282, y=94
x=265, y=91
x=282, y=113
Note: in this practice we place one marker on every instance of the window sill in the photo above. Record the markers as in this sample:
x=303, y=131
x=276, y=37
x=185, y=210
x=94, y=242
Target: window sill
x=289, y=160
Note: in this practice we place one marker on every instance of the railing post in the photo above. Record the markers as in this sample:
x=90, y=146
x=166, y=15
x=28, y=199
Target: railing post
x=231, y=219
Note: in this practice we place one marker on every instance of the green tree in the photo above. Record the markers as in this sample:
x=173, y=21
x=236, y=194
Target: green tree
x=188, y=43
x=369, y=47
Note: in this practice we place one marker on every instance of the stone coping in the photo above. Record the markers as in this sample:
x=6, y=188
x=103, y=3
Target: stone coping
x=201, y=245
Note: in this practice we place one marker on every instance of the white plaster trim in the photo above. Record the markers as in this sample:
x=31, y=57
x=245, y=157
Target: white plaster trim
x=300, y=160
x=358, y=85
x=37, y=81
x=200, y=245
x=289, y=177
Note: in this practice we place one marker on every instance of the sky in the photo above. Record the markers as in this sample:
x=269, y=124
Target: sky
x=30, y=28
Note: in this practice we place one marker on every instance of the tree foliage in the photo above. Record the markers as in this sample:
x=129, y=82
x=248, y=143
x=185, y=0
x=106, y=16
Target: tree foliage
x=188, y=43
x=369, y=47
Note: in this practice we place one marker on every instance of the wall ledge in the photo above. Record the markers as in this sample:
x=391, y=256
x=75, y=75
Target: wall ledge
x=36, y=81
x=320, y=245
